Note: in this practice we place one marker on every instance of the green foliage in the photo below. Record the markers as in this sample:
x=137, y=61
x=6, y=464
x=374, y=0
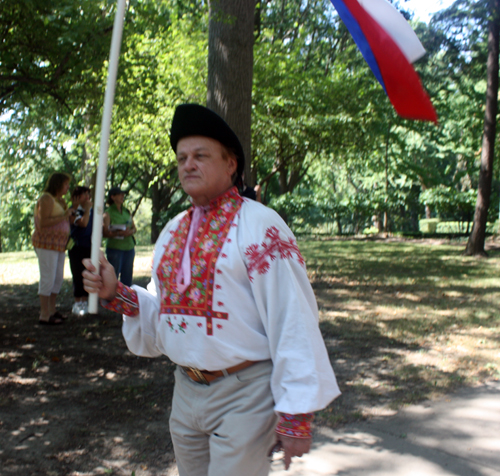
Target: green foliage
x=25, y=169
x=450, y=203
x=163, y=63
x=327, y=147
x=300, y=211
x=428, y=225
x=53, y=51
x=305, y=103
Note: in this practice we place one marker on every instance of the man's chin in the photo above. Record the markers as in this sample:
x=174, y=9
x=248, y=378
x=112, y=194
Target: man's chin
x=191, y=188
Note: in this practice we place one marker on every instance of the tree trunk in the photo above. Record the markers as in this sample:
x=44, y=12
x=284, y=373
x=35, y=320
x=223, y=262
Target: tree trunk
x=339, y=226
x=88, y=171
x=282, y=180
x=155, y=209
x=475, y=245
x=386, y=213
x=230, y=68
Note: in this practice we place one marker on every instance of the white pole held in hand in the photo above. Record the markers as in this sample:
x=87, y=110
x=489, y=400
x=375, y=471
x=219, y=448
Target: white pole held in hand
x=103, y=152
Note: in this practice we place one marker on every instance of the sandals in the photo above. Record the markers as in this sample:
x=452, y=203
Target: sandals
x=53, y=321
x=58, y=315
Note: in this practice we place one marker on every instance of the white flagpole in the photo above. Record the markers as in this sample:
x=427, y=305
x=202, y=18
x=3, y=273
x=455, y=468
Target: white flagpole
x=105, y=133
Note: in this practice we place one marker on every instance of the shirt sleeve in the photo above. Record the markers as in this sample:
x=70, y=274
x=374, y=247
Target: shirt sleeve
x=140, y=311
x=295, y=426
x=140, y=331
x=125, y=302
x=303, y=380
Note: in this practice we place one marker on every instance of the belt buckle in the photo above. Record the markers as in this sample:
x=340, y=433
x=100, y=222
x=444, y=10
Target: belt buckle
x=199, y=375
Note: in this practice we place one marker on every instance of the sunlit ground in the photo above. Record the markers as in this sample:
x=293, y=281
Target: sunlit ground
x=22, y=267
x=404, y=321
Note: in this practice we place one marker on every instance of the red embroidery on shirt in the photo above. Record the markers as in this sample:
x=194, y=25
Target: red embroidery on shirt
x=218, y=286
x=271, y=246
x=197, y=300
x=295, y=426
x=219, y=271
x=224, y=255
x=220, y=303
x=126, y=301
x=219, y=326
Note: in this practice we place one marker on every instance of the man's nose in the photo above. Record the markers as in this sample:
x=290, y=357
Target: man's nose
x=190, y=163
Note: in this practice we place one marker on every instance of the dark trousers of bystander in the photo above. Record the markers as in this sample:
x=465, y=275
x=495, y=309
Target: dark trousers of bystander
x=123, y=262
x=76, y=255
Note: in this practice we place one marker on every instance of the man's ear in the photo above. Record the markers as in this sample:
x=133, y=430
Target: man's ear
x=232, y=164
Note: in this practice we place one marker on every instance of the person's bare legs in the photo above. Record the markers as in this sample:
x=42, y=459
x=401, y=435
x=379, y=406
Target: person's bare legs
x=44, y=308
x=52, y=304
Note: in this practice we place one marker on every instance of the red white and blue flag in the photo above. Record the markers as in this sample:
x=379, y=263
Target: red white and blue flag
x=389, y=46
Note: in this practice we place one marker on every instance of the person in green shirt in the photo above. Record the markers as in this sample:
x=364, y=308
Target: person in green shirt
x=119, y=228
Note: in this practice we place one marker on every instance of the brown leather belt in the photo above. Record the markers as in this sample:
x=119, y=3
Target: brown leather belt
x=205, y=376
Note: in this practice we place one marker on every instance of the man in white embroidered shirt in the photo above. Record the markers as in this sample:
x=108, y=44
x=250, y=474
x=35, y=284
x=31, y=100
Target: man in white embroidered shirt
x=230, y=303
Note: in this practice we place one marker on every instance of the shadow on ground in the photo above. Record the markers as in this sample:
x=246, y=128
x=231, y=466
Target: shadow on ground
x=73, y=399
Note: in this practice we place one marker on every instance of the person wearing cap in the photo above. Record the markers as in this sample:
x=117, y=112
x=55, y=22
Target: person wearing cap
x=119, y=229
x=230, y=303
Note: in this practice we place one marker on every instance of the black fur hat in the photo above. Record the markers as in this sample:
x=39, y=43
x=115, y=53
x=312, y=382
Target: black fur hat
x=196, y=120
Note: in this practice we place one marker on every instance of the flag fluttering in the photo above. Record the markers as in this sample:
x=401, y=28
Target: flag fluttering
x=389, y=46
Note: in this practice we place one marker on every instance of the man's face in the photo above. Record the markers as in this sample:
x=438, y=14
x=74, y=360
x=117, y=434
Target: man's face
x=203, y=171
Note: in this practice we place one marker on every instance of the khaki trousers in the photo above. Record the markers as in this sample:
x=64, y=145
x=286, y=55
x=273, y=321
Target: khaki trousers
x=226, y=428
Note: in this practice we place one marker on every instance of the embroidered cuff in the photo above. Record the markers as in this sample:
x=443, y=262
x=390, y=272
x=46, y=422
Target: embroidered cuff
x=125, y=301
x=295, y=426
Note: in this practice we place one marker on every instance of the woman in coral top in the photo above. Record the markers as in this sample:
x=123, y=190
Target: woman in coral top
x=49, y=240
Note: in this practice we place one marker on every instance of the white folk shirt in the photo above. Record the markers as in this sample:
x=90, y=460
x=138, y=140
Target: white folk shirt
x=249, y=299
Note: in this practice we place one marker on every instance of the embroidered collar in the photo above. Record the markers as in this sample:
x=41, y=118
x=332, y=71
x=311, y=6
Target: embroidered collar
x=209, y=238
x=218, y=201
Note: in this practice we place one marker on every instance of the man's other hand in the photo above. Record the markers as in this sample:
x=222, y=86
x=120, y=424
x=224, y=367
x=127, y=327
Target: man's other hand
x=293, y=447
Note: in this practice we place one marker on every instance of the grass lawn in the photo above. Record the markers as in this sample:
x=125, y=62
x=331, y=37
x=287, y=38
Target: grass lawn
x=403, y=320
x=22, y=267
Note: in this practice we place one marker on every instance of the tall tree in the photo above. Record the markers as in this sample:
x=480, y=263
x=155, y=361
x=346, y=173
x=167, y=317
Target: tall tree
x=475, y=245
x=162, y=65
x=230, y=67
x=52, y=50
